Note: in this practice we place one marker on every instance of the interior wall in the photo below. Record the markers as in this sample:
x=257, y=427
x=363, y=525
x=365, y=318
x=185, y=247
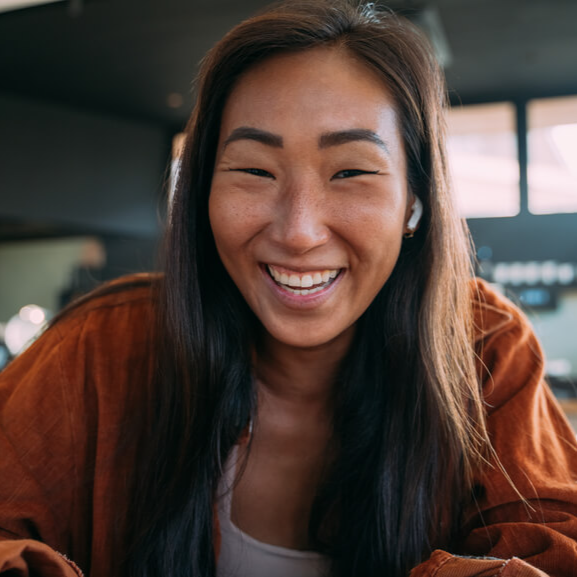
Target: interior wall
x=49, y=272
x=35, y=272
x=79, y=169
x=528, y=237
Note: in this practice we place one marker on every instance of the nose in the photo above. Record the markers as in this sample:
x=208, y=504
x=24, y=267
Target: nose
x=301, y=219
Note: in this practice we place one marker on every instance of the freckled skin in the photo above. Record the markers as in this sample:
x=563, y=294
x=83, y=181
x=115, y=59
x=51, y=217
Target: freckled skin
x=307, y=207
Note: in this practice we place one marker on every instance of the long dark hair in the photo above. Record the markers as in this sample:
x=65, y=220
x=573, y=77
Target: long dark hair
x=408, y=420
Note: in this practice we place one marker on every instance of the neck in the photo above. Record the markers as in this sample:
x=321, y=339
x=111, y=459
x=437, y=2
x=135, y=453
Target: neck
x=299, y=376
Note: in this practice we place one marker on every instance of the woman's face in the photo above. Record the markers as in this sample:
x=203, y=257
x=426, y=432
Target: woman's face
x=309, y=195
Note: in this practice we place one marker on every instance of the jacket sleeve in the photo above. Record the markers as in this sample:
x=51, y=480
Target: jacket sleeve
x=523, y=522
x=29, y=558
x=37, y=471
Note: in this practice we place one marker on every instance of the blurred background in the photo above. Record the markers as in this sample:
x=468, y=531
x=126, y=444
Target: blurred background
x=94, y=95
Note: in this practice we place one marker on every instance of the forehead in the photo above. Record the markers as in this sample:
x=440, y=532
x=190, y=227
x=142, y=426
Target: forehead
x=329, y=85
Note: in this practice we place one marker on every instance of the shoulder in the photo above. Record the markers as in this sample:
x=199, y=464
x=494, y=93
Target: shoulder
x=496, y=318
x=111, y=331
x=72, y=405
x=102, y=338
x=509, y=356
x=133, y=295
x=493, y=313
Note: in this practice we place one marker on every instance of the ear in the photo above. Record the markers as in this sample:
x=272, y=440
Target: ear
x=414, y=219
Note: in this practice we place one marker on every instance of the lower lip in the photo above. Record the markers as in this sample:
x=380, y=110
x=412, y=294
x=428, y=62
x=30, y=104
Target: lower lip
x=309, y=301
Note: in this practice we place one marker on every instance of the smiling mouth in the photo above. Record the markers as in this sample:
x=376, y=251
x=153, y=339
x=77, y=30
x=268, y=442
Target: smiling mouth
x=303, y=283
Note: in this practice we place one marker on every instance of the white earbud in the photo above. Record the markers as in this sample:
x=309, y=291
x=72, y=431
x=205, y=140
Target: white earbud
x=416, y=214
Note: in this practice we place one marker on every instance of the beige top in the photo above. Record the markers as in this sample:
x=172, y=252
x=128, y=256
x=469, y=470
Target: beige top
x=243, y=556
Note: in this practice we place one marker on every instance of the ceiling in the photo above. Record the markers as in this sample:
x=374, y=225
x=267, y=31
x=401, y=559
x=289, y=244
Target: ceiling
x=137, y=58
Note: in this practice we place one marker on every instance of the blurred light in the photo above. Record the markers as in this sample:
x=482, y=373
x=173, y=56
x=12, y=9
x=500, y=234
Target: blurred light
x=516, y=273
x=485, y=253
x=33, y=314
x=565, y=138
x=6, y=5
x=501, y=273
x=482, y=150
x=536, y=298
x=549, y=272
x=566, y=273
x=178, y=143
x=21, y=329
x=532, y=273
x=558, y=367
x=552, y=155
x=4, y=356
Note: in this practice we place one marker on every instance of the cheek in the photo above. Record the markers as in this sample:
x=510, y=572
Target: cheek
x=378, y=227
x=377, y=243
x=233, y=222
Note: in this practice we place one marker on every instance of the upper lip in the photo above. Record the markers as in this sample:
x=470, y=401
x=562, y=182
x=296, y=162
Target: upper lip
x=299, y=269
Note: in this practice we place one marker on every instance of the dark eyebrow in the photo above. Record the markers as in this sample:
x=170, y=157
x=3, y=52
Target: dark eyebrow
x=248, y=133
x=352, y=135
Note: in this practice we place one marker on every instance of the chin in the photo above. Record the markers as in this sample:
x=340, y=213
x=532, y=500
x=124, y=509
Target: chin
x=303, y=338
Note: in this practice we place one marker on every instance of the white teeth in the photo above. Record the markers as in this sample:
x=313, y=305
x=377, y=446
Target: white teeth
x=305, y=291
x=307, y=280
x=294, y=280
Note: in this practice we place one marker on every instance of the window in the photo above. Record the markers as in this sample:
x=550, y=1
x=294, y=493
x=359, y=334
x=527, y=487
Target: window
x=482, y=147
x=552, y=155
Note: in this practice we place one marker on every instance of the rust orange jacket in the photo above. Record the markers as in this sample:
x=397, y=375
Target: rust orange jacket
x=66, y=457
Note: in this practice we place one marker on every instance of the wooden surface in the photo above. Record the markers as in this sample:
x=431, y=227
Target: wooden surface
x=570, y=408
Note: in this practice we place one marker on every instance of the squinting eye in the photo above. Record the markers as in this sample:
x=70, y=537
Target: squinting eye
x=350, y=173
x=254, y=171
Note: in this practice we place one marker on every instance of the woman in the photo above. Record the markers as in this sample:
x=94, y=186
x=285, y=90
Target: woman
x=326, y=391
